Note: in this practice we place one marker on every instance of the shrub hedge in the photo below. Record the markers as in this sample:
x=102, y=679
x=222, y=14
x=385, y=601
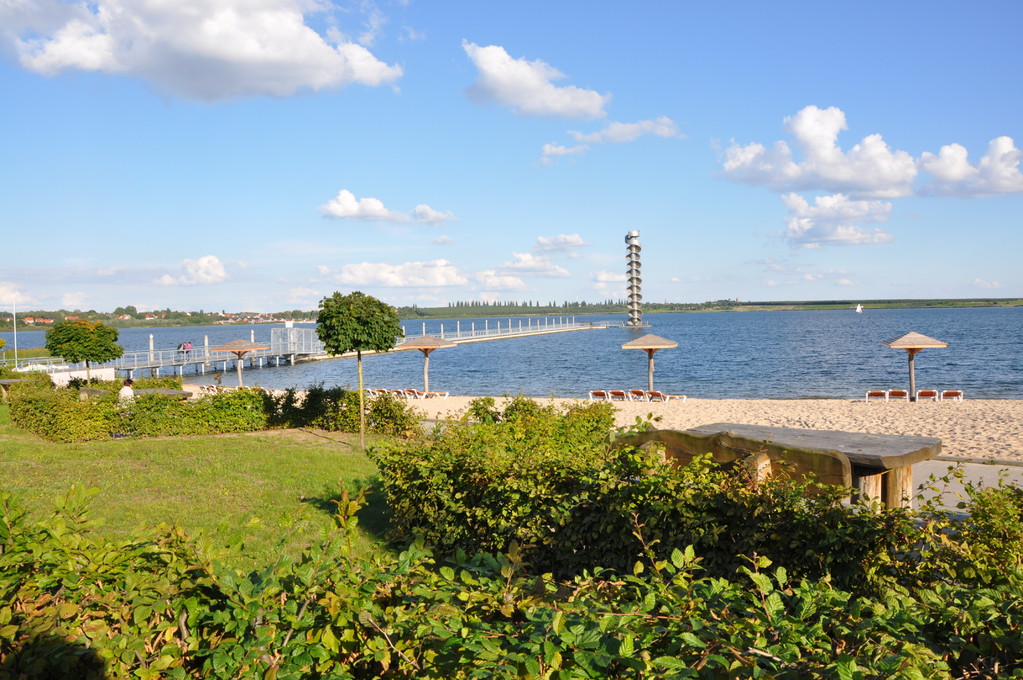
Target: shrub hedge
x=75, y=605
x=60, y=415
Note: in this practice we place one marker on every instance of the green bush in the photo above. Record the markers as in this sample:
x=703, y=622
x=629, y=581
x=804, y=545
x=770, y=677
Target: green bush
x=549, y=479
x=75, y=605
x=60, y=415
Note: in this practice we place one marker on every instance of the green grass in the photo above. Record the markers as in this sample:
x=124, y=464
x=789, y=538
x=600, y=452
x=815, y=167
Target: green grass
x=249, y=491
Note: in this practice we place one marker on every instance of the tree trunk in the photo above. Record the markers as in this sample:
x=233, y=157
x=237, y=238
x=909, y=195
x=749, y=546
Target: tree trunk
x=88, y=373
x=362, y=407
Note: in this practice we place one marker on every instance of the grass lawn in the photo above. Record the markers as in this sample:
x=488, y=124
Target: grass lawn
x=252, y=489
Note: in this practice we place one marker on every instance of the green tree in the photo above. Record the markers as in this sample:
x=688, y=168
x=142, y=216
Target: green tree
x=83, y=340
x=360, y=323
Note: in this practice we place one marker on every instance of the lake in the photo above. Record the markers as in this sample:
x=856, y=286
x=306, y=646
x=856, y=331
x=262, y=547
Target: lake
x=776, y=355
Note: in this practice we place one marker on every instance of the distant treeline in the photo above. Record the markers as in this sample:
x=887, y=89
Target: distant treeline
x=129, y=317
x=498, y=309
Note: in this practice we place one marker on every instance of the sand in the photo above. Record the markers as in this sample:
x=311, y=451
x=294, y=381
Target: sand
x=977, y=429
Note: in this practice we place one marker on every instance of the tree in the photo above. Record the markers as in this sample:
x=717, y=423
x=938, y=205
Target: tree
x=83, y=340
x=357, y=322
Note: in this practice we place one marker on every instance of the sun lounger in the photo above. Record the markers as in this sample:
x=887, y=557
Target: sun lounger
x=638, y=395
x=654, y=395
x=435, y=395
x=876, y=394
x=415, y=394
x=927, y=394
x=599, y=395
x=619, y=395
x=951, y=395
x=898, y=394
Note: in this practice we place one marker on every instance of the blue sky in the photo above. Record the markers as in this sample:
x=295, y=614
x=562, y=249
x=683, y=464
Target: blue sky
x=260, y=154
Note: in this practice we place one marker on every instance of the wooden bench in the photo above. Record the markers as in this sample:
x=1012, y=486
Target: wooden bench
x=878, y=466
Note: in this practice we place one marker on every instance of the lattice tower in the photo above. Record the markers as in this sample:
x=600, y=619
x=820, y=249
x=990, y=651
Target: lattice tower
x=635, y=297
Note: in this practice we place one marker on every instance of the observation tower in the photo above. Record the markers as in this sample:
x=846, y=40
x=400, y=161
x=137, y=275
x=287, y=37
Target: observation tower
x=635, y=298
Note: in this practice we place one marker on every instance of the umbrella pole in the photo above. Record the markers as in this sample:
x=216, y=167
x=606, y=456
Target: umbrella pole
x=912, y=375
x=239, y=368
x=650, y=370
x=426, y=371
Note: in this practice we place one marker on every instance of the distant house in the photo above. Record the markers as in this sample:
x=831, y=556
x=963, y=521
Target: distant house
x=149, y=317
x=71, y=318
x=29, y=319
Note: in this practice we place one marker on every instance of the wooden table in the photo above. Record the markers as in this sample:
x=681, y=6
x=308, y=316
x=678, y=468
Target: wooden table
x=882, y=464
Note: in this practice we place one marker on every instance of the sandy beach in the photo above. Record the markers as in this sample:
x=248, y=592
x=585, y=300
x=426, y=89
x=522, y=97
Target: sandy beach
x=979, y=429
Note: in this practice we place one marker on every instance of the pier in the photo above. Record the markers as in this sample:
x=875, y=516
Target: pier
x=295, y=345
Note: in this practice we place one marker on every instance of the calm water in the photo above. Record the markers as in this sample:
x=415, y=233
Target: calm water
x=744, y=355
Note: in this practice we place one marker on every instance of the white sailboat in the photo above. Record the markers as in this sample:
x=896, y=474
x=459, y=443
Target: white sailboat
x=859, y=309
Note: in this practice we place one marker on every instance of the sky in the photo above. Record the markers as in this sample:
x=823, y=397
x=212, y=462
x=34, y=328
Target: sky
x=259, y=155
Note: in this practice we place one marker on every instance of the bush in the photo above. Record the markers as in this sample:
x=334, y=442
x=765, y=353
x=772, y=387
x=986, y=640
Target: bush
x=75, y=605
x=549, y=479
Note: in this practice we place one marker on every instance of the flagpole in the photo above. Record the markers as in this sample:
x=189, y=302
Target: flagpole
x=14, y=318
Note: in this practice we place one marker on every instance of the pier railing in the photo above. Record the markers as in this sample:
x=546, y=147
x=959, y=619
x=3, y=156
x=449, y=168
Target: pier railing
x=288, y=345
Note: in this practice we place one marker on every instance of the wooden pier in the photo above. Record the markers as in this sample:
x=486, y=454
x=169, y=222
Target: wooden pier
x=295, y=345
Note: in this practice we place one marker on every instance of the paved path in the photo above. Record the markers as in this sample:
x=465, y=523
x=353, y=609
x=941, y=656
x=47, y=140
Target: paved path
x=979, y=474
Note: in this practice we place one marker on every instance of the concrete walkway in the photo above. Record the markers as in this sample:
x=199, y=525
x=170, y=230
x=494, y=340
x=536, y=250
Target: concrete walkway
x=978, y=474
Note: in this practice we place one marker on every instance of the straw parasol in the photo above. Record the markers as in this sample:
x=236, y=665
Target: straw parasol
x=650, y=343
x=239, y=348
x=913, y=343
x=427, y=344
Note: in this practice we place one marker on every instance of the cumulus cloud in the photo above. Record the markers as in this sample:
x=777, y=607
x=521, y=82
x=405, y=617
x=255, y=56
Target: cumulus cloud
x=434, y=273
x=562, y=243
x=990, y=285
x=492, y=280
x=73, y=300
x=605, y=276
x=426, y=214
x=616, y=133
x=443, y=240
x=11, y=295
x=345, y=206
x=868, y=169
x=207, y=269
x=830, y=220
x=526, y=87
x=997, y=173
x=533, y=265
x=197, y=49
x=551, y=151
x=609, y=283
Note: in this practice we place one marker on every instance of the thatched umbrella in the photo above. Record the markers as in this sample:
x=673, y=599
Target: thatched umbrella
x=239, y=348
x=650, y=343
x=427, y=344
x=913, y=343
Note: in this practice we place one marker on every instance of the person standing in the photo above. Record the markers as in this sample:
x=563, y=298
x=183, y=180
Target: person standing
x=127, y=392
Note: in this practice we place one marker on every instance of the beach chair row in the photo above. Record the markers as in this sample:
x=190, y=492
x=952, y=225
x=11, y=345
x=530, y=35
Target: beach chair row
x=408, y=394
x=921, y=395
x=634, y=395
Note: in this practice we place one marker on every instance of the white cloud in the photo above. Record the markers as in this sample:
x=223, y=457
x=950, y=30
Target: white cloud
x=526, y=88
x=551, y=151
x=73, y=300
x=11, y=295
x=434, y=273
x=492, y=280
x=443, y=240
x=424, y=213
x=997, y=173
x=346, y=207
x=616, y=133
x=868, y=169
x=207, y=269
x=605, y=276
x=829, y=221
x=562, y=243
x=302, y=296
x=533, y=265
x=981, y=283
x=197, y=49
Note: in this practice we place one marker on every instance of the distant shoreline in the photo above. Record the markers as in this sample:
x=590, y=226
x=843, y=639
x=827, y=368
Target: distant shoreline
x=515, y=311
